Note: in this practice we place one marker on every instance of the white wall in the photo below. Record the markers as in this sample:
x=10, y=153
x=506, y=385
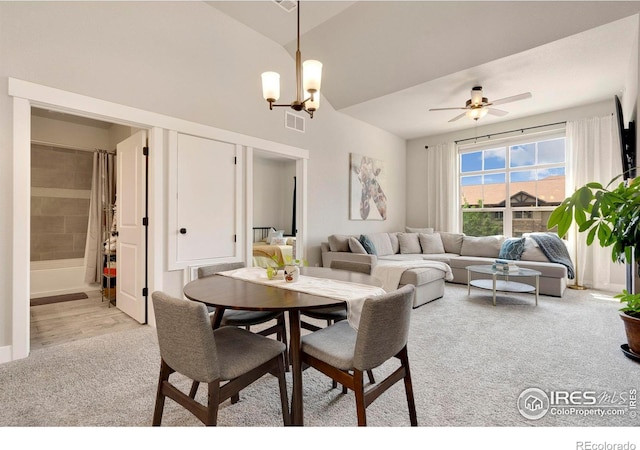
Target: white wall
x=273, y=193
x=189, y=61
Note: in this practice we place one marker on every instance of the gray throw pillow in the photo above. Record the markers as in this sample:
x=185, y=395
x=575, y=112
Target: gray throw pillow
x=409, y=243
x=355, y=246
x=452, y=242
x=339, y=243
x=382, y=243
x=431, y=243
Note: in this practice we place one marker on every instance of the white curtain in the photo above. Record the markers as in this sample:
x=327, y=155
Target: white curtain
x=592, y=148
x=101, y=214
x=442, y=187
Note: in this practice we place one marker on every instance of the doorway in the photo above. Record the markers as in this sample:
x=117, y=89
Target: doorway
x=73, y=228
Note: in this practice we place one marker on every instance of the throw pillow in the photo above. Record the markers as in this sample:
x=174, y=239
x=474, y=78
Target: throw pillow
x=355, y=246
x=431, y=243
x=409, y=243
x=512, y=248
x=452, y=242
x=382, y=243
x=274, y=234
x=279, y=241
x=339, y=243
x=368, y=245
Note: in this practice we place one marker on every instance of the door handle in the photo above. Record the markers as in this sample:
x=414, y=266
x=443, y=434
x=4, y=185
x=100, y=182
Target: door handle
x=183, y=231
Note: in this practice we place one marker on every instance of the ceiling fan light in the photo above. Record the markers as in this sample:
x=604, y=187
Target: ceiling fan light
x=477, y=113
x=271, y=86
x=311, y=75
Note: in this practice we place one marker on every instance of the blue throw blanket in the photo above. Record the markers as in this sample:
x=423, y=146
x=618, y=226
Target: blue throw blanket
x=554, y=249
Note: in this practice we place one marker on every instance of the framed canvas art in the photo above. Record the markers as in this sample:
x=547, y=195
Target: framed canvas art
x=367, y=200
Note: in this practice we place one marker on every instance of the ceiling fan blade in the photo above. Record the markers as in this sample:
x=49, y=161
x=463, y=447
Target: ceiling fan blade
x=513, y=98
x=497, y=112
x=458, y=117
x=445, y=109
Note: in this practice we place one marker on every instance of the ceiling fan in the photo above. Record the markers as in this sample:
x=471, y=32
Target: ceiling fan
x=478, y=106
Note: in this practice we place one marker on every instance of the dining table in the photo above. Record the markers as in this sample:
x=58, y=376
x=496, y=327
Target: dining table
x=226, y=292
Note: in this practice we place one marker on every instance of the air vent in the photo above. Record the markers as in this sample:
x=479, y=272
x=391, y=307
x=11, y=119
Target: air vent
x=293, y=122
x=287, y=5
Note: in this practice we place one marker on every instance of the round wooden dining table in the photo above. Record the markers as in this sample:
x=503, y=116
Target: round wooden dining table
x=222, y=292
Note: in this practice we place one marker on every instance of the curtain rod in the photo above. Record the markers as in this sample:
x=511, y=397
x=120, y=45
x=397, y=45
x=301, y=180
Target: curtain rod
x=512, y=131
x=71, y=147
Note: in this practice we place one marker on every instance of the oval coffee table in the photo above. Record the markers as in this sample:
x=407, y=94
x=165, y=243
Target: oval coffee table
x=504, y=284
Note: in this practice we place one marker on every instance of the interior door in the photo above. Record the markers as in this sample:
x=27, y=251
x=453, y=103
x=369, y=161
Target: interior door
x=130, y=212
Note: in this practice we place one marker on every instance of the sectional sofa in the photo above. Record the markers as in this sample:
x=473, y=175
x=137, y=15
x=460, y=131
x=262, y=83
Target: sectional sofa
x=454, y=249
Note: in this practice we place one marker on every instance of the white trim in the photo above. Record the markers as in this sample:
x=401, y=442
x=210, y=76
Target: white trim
x=46, y=97
x=21, y=267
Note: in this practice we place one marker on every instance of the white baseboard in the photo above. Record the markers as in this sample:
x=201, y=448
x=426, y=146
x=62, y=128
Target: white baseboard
x=5, y=354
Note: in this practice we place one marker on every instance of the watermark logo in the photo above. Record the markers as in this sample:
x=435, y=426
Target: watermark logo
x=533, y=403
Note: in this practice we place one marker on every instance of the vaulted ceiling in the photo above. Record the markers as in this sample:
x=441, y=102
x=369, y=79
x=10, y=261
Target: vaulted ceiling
x=389, y=62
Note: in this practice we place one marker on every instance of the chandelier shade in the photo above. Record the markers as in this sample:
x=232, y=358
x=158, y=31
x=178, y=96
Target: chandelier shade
x=308, y=82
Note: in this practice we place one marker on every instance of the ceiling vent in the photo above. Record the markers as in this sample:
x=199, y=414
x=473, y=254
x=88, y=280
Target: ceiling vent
x=287, y=5
x=293, y=122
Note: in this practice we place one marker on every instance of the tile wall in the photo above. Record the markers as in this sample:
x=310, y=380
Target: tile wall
x=60, y=192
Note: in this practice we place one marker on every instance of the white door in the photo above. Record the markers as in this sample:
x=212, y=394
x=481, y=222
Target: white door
x=206, y=209
x=130, y=212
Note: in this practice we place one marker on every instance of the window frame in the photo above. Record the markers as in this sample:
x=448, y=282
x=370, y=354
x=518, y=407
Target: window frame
x=490, y=144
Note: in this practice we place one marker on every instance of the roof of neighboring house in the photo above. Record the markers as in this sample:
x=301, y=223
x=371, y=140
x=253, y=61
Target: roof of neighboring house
x=550, y=190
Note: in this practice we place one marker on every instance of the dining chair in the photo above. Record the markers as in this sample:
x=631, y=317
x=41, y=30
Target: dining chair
x=333, y=314
x=245, y=319
x=227, y=359
x=344, y=354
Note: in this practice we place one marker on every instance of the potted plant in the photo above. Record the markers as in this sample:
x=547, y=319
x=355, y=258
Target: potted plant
x=610, y=214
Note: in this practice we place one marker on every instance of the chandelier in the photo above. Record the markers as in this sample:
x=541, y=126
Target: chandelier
x=308, y=78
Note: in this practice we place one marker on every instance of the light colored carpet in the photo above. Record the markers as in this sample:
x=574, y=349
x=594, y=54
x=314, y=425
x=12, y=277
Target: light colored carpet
x=470, y=361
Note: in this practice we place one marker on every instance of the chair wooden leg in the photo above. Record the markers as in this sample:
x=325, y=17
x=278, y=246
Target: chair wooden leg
x=165, y=371
x=408, y=387
x=282, y=384
x=213, y=401
x=194, y=389
x=370, y=375
x=358, y=388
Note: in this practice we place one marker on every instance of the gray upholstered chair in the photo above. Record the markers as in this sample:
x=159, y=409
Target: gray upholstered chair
x=246, y=318
x=227, y=359
x=344, y=354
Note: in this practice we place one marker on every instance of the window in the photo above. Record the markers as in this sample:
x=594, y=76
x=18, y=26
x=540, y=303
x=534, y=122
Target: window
x=529, y=172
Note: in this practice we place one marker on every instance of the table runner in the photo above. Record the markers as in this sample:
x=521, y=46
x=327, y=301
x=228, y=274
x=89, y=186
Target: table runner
x=353, y=294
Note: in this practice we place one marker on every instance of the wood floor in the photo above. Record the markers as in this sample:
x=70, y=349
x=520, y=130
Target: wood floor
x=78, y=319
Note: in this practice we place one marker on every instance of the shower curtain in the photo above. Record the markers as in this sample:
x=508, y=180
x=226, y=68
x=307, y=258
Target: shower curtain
x=101, y=215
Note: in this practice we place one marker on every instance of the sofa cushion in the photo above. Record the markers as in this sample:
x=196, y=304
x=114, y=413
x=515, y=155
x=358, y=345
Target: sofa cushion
x=512, y=248
x=418, y=230
x=395, y=244
x=533, y=252
x=355, y=246
x=409, y=243
x=487, y=246
x=368, y=245
x=382, y=243
x=452, y=242
x=339, y=243
x=431, y=243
